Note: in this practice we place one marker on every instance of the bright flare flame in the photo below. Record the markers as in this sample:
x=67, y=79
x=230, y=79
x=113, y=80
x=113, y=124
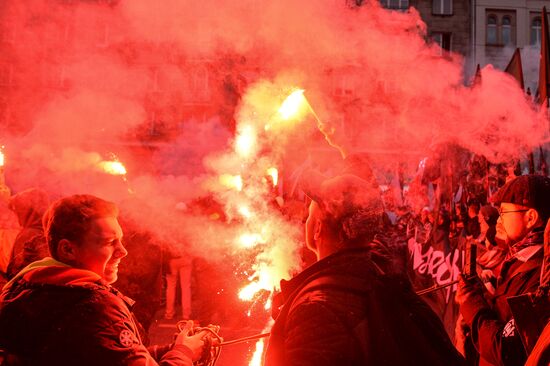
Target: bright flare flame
x=264, y=282
x=274, y=174
x=113, y=167
x=232, y=181
x=267, y=305
x=245, y=141
x=247, y=293
x=258, y=353
x=251, y=240
x=1, y=158
x=292, y=104
x=245, y=211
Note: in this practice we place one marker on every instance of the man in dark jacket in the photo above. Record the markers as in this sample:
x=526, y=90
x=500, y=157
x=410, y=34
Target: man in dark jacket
x=63, y=310
x=30, y=244
x=354, y=306
x=524, y=210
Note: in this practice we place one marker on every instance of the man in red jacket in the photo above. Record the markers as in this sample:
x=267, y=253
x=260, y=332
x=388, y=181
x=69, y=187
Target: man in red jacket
x=64, y=311
x=524, y=210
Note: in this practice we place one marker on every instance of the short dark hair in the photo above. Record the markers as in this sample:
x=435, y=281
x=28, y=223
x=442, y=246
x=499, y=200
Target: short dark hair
x=70, y=217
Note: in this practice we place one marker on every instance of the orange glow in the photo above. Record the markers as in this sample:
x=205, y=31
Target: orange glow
x=232, y=181
x=245, y=212
x=274, y=174
x=247, y=293
x=245, y=141
x=264, y=282
x=113, y=167
x=257, y=359
x=293, y=105
x=267, y=305
x=251, y=240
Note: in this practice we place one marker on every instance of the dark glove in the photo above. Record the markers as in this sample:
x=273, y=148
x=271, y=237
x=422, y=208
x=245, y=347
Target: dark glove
x=468, y=288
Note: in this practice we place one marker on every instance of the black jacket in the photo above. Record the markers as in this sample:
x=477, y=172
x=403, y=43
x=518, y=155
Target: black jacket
x=493, y=328
x=352, y=309
x=52, y=314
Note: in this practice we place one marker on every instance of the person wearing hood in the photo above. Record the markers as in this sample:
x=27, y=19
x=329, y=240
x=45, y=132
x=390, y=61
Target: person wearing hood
x=30, y=243
x=355, y=305
x=62, y=310
x=524, y=210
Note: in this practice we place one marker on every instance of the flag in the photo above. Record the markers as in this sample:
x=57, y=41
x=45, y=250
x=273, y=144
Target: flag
x=543, y=169
x=515, y=69
x=477, y=77
x=544, y=68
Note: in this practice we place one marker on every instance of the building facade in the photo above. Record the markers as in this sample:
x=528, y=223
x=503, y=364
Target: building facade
x=449, y=23
x=501, y=26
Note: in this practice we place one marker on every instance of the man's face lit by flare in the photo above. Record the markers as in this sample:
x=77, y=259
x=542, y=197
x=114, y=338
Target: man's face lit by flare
x=312, y=227
x=101, y=249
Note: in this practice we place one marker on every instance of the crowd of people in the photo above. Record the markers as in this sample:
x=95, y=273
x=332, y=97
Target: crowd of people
x=355, y=304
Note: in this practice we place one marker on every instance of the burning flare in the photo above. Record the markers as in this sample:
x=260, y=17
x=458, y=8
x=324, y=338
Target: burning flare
x=232, y=181
x=251, y=240
x=1, y=157
x=245, y=212
x=113, y=167
x=258, y=353
x=245, y=141
x=274, y=174
x=292, y=105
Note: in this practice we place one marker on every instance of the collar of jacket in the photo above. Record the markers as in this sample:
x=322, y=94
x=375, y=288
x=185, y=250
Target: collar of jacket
x=49, y=271
x=328, y=265
x=52, y=272
x=535, y=237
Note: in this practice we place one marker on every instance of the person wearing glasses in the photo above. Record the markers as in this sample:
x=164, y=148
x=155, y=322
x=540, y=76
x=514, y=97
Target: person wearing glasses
x=524, y=209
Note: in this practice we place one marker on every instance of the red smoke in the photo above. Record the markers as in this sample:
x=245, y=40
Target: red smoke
x=158, y=84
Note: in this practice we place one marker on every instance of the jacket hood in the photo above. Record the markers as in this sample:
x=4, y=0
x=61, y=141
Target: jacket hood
x=52, y=272
x=29, y=206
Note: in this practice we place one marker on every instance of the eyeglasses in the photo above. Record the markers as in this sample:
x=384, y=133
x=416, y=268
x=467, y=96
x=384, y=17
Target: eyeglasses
x=500, y=212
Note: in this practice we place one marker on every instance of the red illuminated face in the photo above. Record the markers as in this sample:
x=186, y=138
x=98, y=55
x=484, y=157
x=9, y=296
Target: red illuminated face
x=101, y=249
x=312, y=226
x=513, y=221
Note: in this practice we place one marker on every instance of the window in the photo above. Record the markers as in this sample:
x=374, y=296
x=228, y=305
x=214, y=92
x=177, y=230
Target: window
x=501, y=27
x=395, y=4
x=492, y=29
x=343, y=84
x=506, y=30
x=535, y=31
x=443, y=40
x=442, y=7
